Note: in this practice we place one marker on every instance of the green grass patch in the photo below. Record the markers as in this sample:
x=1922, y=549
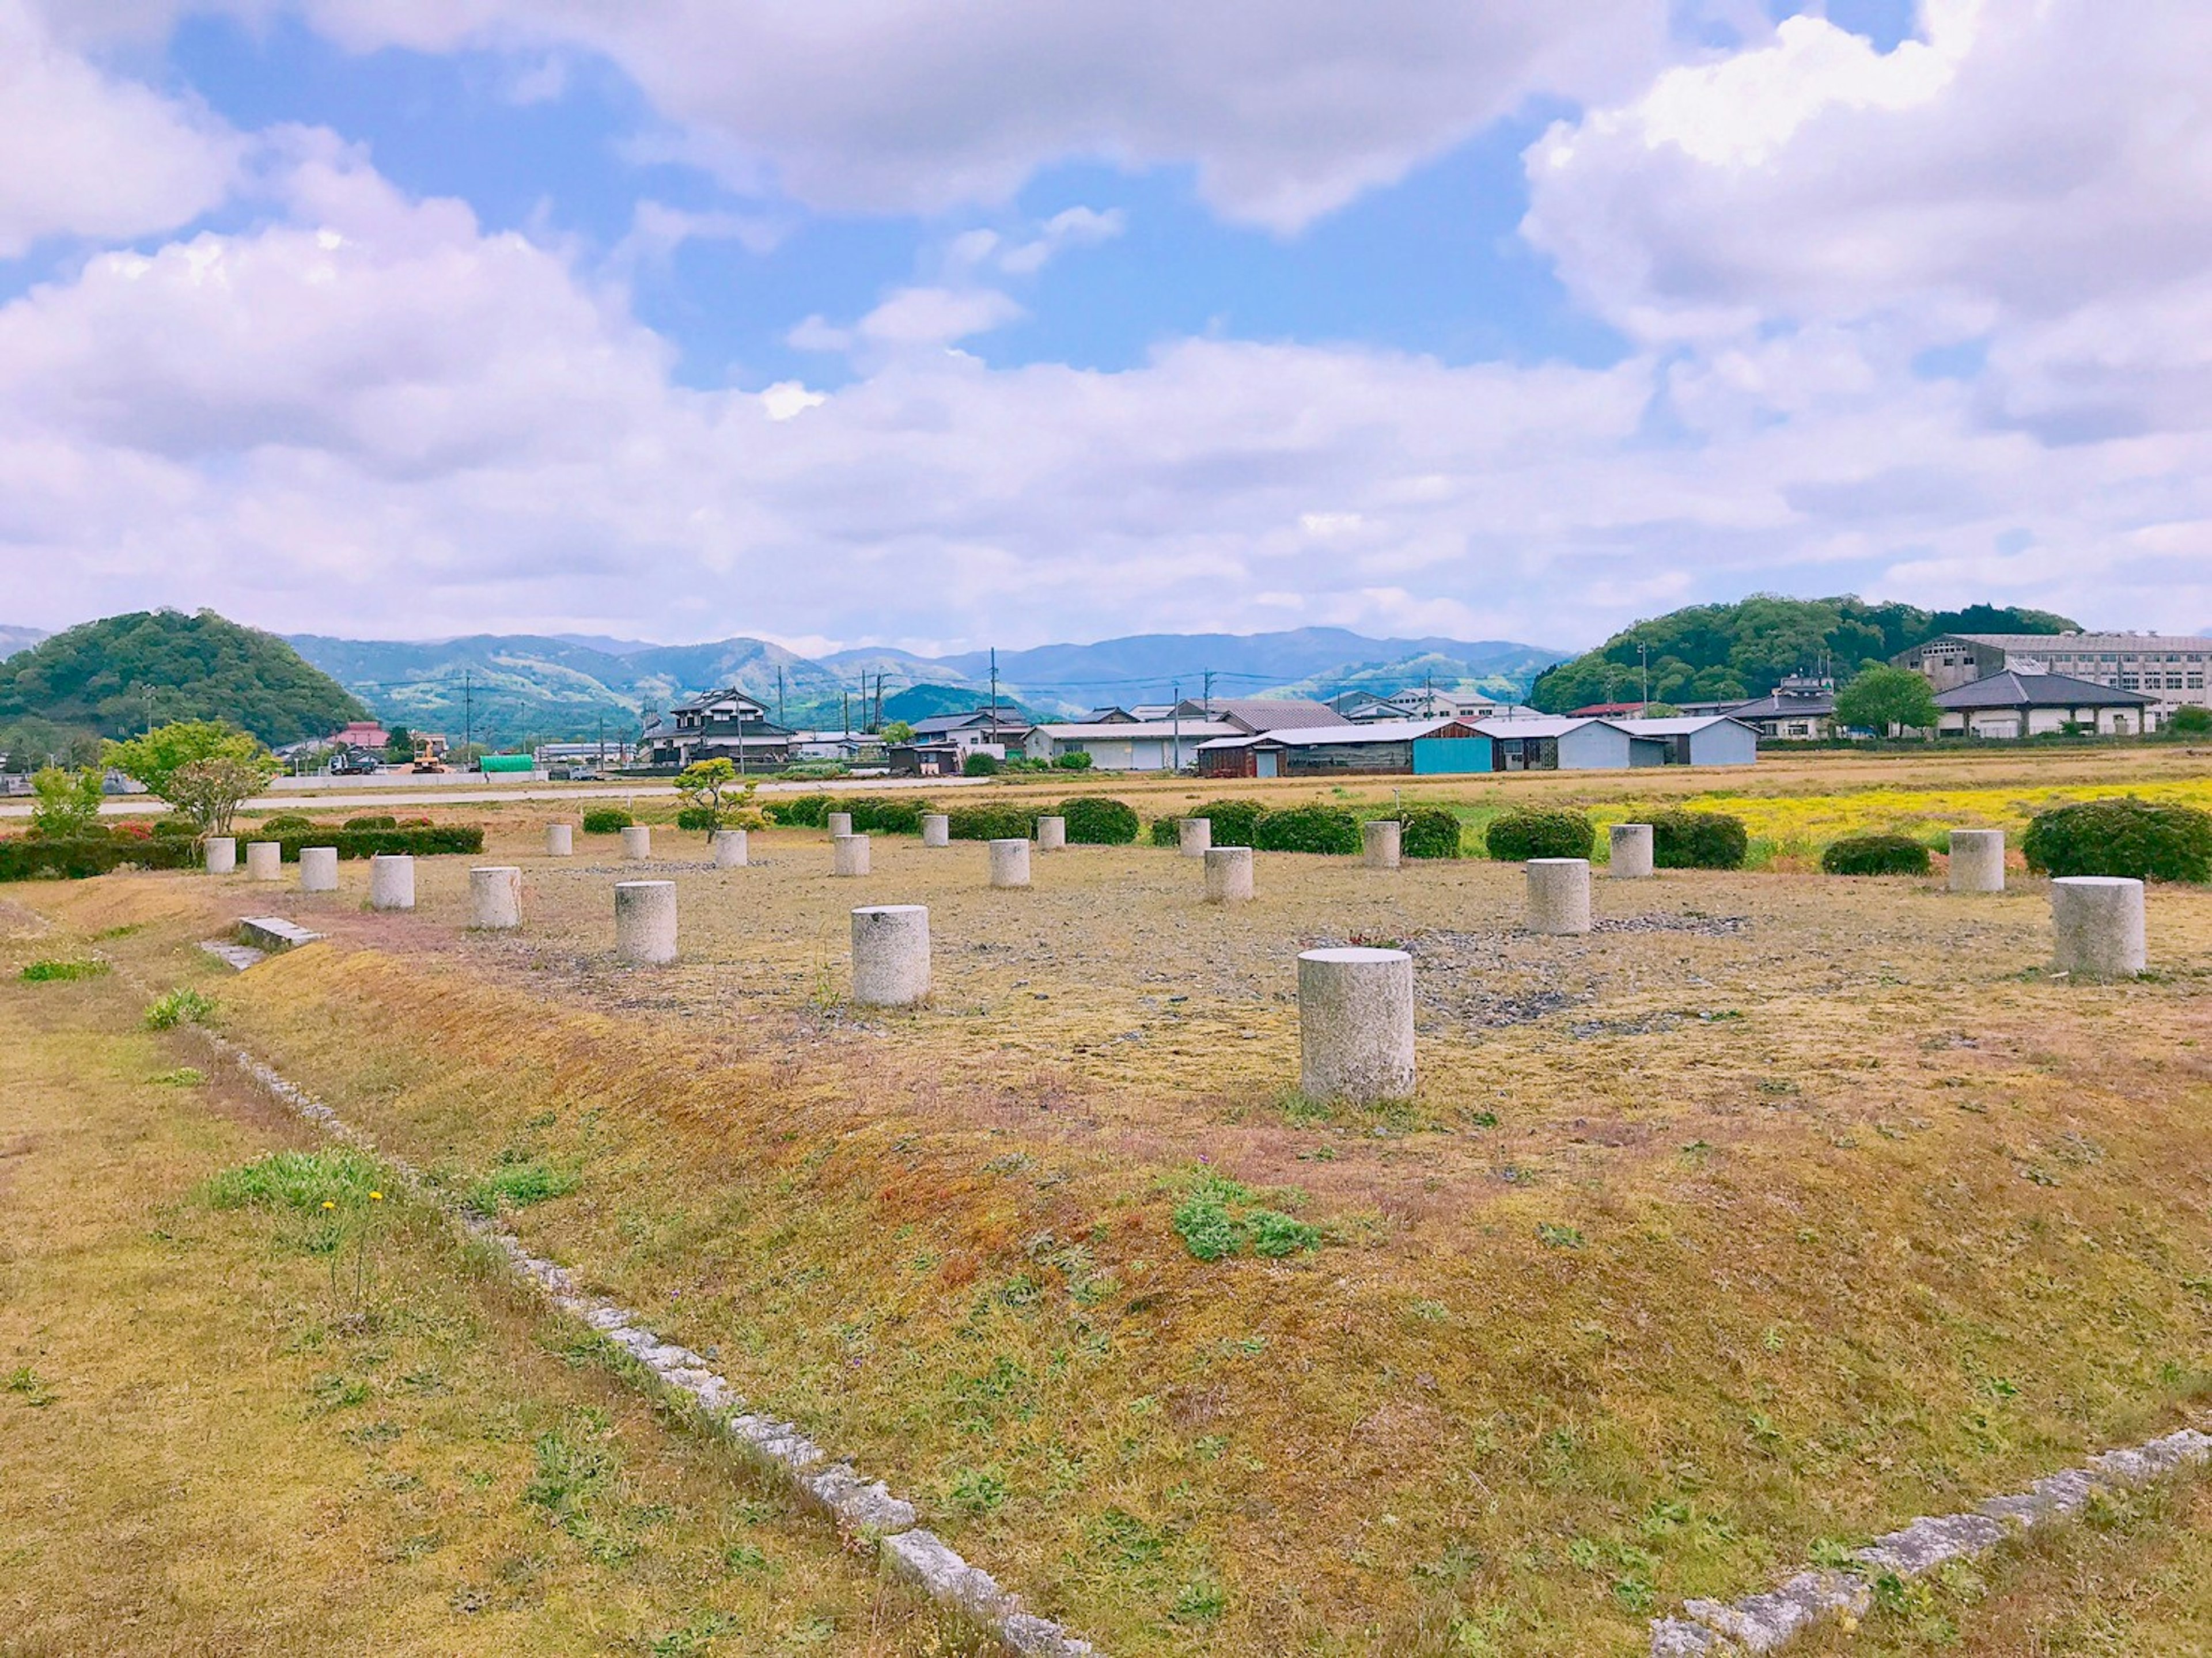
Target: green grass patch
x=517, y=1186
x=301, y=1181
x=183, y=1005
x=49, y=972
x=1219, y=1217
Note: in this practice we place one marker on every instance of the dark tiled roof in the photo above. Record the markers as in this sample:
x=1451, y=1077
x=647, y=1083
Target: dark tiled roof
x=2036, y=690
x=1276, y=713
x=1786, y=708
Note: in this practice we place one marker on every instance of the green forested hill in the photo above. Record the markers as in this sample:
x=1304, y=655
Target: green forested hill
x=98, y=677
x=1707, y=652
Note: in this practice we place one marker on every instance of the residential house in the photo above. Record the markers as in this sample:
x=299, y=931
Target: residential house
x=1802, y=706
x=1130, y=745
x=926, y=759
x=2172, y=669
x=2012, y=704
x=724, y=725
x=1425, y=703
x=360, y=734
x=1417, y=747
x=1691, y=740
x=993, y=731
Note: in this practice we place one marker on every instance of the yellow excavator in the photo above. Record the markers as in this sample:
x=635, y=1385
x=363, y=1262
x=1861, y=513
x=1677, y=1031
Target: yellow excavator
x=430, y=753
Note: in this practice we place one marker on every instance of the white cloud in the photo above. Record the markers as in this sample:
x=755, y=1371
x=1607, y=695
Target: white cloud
x=84, y=154
x=1075, y=227
x=936, y=316
x=787, y=399
x=1285, y=108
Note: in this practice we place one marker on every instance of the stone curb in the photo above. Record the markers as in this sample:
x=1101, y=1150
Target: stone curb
x=1764, y=1623
x=862, y=1508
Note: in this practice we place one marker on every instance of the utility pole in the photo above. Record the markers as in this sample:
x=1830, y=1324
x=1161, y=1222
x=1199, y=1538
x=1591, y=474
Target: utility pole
x=1644, y=652
x=468, y=709
x=1175, y=722
x=1209, y=694
x=780, y=718
x=845, y=719
x=994, y=688
x=150, y=709
x=603, y=740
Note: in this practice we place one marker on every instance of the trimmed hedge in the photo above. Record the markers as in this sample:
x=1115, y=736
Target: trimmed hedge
x=73, y=858
x=276, y=826
x=1428, y=832
x=1698, y=840
x=1528, y=832
x=800, y=812
x=367, y=843
x=1098, y=820
x=1235, y=822
x=1875, y=854
x=1166, y=832
x=606, y=820
x=996, y=822
x=382, y=820
x=2136, y=838
x=885, y=815
x=1330, y=829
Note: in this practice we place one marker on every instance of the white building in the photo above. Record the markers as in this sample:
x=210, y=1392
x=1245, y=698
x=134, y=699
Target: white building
x=2172, y=668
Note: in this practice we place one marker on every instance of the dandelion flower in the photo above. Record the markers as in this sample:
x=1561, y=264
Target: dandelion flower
x=376, y=1197
x=327, y=1204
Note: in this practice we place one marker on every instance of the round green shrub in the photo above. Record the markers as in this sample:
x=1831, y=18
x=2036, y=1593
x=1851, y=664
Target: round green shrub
x=1074, y=760
x=606, y=820
x=1235, y=822
x=384, y=820
x=1167, y=831
x=1330, y=829
x=279, y=825
x=1875, y=854
x=1698, y=840
x=979, y=764
x=2190, y=722
x=1098, y=820
x=997, y=821
x=1428, y=832
x=1527, y=832
x=874, y=815
x=2140, y=839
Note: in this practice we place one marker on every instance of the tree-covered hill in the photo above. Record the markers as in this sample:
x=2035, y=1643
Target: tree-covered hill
x=99, y=677
x=1708, y=651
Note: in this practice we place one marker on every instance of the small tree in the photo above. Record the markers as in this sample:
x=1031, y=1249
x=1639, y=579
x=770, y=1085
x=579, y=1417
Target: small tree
x=708, y=786
x=1885, y=698
x=68, y=802
x=898, y=732
x=203, y=769
x=399, y=746
x=2190, y=722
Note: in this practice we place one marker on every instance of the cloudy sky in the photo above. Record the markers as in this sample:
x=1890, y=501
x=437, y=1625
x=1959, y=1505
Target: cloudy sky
x=1003, y=321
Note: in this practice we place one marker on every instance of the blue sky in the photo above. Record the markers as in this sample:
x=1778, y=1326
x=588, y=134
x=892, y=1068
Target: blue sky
x=870, y=326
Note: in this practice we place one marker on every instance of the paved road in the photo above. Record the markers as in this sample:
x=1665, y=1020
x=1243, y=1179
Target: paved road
x=394, y=795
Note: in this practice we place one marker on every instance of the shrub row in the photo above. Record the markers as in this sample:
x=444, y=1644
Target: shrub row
x=73, y=858
x=367, y=843
x=1527, y=832
x=2126, y=836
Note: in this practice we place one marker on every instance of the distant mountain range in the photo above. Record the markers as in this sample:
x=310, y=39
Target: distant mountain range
x=506, y=689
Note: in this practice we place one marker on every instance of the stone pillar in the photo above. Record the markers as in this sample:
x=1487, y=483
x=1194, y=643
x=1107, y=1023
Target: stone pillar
x=839, y=822
x=1193, y=835
x=496, y=899
x=319, y=869
x=1978, y=860
x=222, y=852
x=637, y=842
x=890, y=955
x=1228, y=875
x=645, y=921
x=936, y=829
x=731, y=849
x=1051, y=834
x=1631, y=852
x=264, y=860
x=1559, y=894
x=1380, y=839
x=2097, y=926
x=1356, y=1024
x=849, y=855
x=1010, y=863
x=392, y=881
x=560, y=840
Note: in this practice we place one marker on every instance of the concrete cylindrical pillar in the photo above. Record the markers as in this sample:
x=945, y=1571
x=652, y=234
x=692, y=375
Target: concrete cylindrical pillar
x=1559, y=894
x=1380, y=839
x=1630, y=852
x=1228, y=875
x=732, y=850
x=560, y=840
x=936, y=829
x=1193, y=835
x=495, y=898
x=890, y=955
x=838, y=823
x=637, y=842
x=1051, y=834
x=645, y=921
x=264, y=860
x=849, y=855
x=319, y=869
x=392, y=881
x=1010, y=863
x=2097, y=926
x=1978, y=860
x=1355, y=1024
x=222, y=854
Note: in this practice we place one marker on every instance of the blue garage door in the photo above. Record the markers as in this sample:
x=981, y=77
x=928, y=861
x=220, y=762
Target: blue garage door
x=1435, y=755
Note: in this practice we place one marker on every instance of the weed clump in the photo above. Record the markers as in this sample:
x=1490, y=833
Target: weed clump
x=1698, y=840
x=302, y=1181
x=1330, y=829
x=2139, y=839
x=47, y=973
x=1219, y=1217
x=183, y=1005
x=517, y=1186
x=1528, y=832
x=1875, y=854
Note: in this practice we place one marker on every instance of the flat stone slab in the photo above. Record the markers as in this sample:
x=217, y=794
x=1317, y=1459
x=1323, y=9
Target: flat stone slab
x=271, y=934
x=237, y=957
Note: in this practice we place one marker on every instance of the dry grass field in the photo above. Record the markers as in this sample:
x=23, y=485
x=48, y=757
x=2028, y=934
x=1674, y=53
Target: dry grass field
x=1777, y=1210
